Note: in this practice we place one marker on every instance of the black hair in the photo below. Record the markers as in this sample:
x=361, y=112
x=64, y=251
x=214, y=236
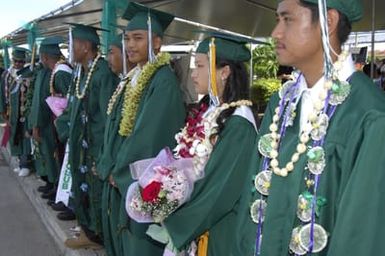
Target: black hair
x=94, y=47
x=344, y=26
x=367, y=69
x=236, y=88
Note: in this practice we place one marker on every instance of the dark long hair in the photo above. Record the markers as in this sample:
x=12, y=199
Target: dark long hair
x=236, y=88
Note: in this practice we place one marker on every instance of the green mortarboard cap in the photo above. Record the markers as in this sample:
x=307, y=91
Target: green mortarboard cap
x=137, y=14
x=117, y=41
x=353, y=9
x=227, y=46
x=85, y=32
x=50, y=45
x=19, y=53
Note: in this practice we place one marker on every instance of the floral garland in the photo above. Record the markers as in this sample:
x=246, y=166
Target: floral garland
x=133, y=94
x=119, y=89
x=309, y=237
x=52, y=78
x=77, y=88
x=195, y=140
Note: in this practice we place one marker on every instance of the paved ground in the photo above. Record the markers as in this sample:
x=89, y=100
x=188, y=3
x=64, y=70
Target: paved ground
x=22, y=232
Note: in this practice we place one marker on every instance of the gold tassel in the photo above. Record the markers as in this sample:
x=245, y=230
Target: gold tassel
x=213, y=75
x=203, y=243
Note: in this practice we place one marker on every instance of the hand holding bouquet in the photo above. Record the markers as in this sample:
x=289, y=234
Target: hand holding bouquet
x=163, y=185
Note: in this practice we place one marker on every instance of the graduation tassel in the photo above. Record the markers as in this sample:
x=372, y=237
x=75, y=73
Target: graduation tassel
x=203, y=244
x=151, y=54
x=70, y=47
x=32, y=66
x=213, y=90
x=328, y=62
x=124, y=56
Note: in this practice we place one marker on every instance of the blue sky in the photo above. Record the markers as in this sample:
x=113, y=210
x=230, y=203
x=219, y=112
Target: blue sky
x=13, y=16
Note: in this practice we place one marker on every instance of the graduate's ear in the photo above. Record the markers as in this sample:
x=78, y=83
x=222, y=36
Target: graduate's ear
x=156, y=43
x=333, y=19
x=224, y=72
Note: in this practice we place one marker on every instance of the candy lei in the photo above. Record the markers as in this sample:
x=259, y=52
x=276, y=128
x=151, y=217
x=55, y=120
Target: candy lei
x=52, y=78
x=309, y=237
x=133, y=94
x=80, y=95
x=196, y=138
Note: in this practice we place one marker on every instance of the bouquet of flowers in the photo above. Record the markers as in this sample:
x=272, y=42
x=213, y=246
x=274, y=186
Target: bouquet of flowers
x=164, y=184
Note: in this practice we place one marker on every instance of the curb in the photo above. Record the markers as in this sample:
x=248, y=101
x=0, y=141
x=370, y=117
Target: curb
x=59, y=230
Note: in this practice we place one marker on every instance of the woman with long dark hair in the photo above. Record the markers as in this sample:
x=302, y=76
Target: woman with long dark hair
x=219, y=136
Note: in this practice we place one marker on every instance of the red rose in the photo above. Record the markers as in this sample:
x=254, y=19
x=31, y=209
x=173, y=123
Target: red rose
x=151, y=191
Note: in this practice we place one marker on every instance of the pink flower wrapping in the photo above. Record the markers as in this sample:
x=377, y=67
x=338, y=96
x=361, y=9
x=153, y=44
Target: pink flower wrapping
x=57, y=104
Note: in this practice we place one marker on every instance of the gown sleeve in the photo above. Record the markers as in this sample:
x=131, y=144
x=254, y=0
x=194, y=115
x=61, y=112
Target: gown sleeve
x=217, y=195
x=359, y=227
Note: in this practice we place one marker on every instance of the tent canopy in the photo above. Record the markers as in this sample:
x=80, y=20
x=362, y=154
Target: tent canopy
x=255, y=18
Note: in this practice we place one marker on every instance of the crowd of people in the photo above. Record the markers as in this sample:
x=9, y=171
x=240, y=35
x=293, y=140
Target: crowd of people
x=147, y=177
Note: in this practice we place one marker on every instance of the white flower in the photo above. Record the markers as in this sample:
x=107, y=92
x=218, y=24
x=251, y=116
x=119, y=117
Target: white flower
x=201, y=150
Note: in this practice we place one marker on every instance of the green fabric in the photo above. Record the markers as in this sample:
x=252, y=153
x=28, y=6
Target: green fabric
x=6, y=79
x=352, y=181
x=19, y=53
x=87, y=204
x=117, y=41
x=111, y=197
x=50, y=45
x=87, y=33
x=137, y=15
x=62, y=123
x=216, y=199
x=19, y=144
x=353, y=9
x=111, y=200
x=160, y=115
x=226, y=48
x=42, y=118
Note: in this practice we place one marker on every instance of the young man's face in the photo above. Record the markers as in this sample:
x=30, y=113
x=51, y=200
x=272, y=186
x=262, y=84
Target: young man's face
x=298, y=39
x=136, y=42
x=136, y=46
x=80, y=50
x=18, y=64
x=115, y=59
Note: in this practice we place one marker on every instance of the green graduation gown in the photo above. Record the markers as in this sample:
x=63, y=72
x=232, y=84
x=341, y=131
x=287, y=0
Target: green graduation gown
x=86, y=119
x=6, y=80
x=217, y=198
x=352, y=181
x=41, y=117
x=160, y=115
x=19, y=144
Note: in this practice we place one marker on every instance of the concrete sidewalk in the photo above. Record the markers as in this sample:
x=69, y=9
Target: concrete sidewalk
x=59, y=230
x=22, y=233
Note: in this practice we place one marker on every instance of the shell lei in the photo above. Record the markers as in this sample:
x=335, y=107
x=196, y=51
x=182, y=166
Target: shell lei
x=80, y=95
x=308, y=237
x=52, y=78
x=200, y=144
x=132, y=95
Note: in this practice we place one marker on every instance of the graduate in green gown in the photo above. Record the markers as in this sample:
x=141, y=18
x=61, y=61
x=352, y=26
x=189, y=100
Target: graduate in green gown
x=145, y=112
x=86, y=119
x=109, y=223
x=15, y=96
x=207, y=223
x=53, y=80
x=319, y=189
